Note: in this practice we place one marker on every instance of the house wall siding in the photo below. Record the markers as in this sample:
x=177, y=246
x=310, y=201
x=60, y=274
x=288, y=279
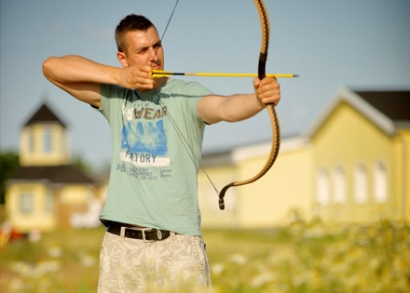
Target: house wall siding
x=40, y=218
x=350, y=140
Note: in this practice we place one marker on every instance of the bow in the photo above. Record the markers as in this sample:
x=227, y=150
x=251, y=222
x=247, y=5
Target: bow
x=264, y=20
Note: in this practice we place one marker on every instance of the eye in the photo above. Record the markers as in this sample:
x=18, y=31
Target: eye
x=142, y=50
x=157, y=45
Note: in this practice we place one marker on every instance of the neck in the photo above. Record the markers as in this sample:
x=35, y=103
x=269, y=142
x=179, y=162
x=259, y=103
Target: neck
x=160, y=81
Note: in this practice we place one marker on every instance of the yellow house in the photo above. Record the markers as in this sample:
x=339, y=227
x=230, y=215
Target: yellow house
x=361, y=162
x=352, y=165
x=47, y=191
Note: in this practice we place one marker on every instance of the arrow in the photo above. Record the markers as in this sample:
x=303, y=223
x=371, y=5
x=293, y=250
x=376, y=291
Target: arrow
x=161, y=73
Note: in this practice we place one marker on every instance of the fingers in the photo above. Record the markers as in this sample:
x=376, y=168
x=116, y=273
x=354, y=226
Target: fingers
x=267, y=90
x=138, y=78
x=144, y=79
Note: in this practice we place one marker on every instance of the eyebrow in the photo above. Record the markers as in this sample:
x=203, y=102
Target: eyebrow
x=159, y=43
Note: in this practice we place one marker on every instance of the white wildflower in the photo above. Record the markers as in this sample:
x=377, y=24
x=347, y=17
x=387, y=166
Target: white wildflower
x=262, y=279
x=88, y=261
x=238, y=259
x=217, y=268
x=55, y=252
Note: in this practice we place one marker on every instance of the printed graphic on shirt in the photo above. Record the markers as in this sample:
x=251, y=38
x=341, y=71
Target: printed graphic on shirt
x=144, y=139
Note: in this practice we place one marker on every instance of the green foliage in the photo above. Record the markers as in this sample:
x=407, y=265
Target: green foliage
x=317, y=258
x=301, y=257
x=9, y=162
x=62, y=261
x=79, y=162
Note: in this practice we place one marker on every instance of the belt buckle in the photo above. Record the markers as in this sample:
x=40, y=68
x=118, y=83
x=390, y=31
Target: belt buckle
x=144, y=238
x=159, y=234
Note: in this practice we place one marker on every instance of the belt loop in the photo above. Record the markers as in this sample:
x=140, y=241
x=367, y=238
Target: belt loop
x=122, y=233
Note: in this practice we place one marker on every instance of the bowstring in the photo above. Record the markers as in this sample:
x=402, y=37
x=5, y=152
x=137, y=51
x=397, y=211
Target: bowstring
x=187, y=144
x=169, y=21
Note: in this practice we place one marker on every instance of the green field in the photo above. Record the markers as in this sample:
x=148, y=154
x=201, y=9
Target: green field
x=298, y=258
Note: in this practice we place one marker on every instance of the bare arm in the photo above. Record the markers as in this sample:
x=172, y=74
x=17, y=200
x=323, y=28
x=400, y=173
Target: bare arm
x=81, y=77
x=213, y=108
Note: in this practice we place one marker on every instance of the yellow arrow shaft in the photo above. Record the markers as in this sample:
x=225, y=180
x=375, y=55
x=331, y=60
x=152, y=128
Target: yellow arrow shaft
x=160, y=73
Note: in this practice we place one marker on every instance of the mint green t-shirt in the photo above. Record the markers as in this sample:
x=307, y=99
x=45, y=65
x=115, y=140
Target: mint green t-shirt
x=156, y=147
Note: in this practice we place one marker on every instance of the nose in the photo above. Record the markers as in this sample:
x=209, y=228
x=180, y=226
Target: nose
x=153, y=54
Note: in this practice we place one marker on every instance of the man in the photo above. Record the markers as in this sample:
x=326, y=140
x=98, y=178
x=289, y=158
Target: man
x=151, y=212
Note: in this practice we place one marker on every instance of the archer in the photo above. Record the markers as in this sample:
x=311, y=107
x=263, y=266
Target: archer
x=153, y=226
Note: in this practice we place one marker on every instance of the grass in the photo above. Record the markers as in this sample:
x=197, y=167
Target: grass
x=64, y=261
x=301, y=257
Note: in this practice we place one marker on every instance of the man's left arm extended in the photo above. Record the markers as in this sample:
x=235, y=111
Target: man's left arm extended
x=238, y=107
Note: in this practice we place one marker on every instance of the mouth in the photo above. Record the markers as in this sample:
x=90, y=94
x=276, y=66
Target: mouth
x=155, y=65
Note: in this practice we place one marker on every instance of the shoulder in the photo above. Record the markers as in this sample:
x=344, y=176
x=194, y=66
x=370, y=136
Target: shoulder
x=109, y=90
x=115, y=92
x=187, y=88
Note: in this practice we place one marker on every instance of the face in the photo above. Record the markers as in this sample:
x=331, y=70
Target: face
x=142, y=48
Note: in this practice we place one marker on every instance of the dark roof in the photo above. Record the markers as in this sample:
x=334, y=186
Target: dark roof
x=44, y=114
x=65, y=174
x=394, y=104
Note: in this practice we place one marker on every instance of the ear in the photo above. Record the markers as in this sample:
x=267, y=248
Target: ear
x=122, y=58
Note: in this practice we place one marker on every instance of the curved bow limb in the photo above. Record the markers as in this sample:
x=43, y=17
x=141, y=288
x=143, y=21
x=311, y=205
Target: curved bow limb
x=264, y=20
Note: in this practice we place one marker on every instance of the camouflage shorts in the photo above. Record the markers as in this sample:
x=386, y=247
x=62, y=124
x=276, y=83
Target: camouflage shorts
x=131, y=265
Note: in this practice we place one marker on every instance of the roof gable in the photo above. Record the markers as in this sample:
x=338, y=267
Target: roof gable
x=44, y=115
x=371, y=104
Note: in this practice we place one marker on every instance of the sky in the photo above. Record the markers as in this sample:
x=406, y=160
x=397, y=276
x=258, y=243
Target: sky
x=362, y=45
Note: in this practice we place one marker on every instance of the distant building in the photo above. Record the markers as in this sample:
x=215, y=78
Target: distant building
x=351, y=166
x=47, y=191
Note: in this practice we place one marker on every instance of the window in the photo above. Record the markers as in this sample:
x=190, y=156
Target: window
x=49, y=202
x=380, y=182
x=360, y=184
x=339, y=185
x=322, y=187
x=47, y=140
x=31, y=141
x=26, y=203
x=64, y=142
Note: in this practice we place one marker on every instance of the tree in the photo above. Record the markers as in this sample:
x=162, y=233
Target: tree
x=79, y=162
x=9, y=163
